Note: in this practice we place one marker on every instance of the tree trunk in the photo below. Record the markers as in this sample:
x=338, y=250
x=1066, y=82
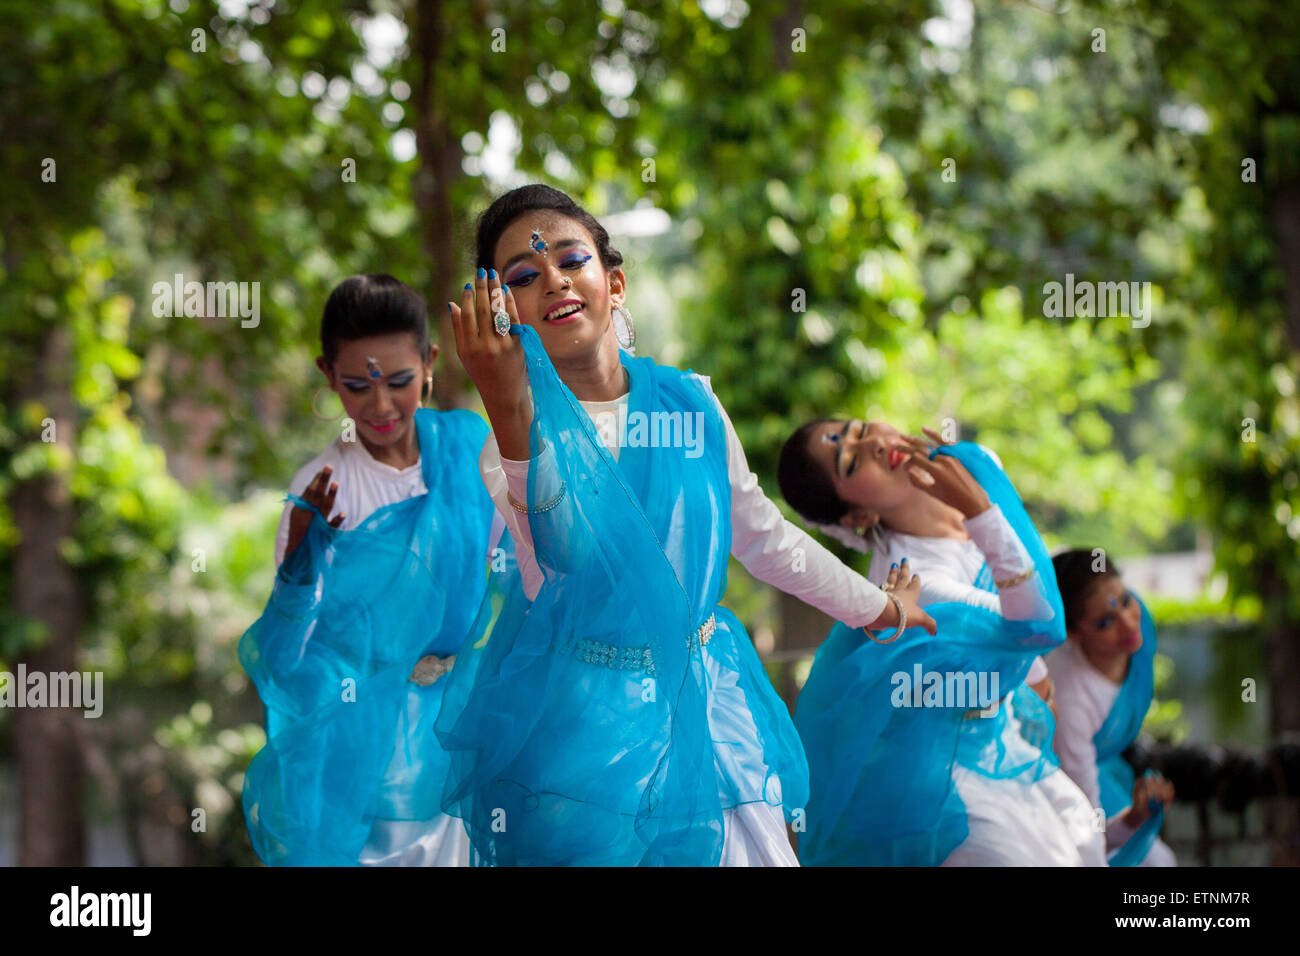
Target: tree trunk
x=47, y=740
x=439, y=166
x=1282, y=637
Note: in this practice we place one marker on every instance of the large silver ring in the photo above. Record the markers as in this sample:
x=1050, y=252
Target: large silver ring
x=501, y=322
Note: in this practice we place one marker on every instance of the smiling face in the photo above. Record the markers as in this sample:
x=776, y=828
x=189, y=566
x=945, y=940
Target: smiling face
x=564, y=292
x=379, y=381
x=1109, y=627
x=865, y=461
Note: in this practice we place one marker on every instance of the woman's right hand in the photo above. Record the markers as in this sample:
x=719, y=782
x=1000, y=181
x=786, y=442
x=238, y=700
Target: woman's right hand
x=495, y=362
x=907, y=587
x=320, y=492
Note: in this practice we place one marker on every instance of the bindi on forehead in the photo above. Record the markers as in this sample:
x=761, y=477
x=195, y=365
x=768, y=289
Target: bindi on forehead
x=553, y=229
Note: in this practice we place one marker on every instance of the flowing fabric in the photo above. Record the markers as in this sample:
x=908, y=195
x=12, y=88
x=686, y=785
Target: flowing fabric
x=349, y=736
x=599, y=725
x=881, y=764
x=1117, y=732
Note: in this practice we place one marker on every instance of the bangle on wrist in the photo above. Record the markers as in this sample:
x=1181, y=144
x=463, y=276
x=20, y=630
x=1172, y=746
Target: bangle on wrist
x=902, y=620
x=1020, y=578
x=524, y=510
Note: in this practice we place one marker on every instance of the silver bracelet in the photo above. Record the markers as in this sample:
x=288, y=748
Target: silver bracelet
x=902, y=620
x=524, y=510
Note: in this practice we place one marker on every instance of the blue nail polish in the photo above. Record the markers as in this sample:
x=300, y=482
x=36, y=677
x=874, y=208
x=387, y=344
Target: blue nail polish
x=492, y=273
x=894, y=565
x=469, y=285
x=448, y=306
x=505, y=289
x=482, y=274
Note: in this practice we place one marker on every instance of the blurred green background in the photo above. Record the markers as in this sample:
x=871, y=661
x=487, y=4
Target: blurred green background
x=830, y=208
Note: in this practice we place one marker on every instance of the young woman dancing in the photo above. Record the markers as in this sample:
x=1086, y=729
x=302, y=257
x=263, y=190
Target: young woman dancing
x=1105, y=680
x=618, y=714
x=381, y=576
x=908, y=766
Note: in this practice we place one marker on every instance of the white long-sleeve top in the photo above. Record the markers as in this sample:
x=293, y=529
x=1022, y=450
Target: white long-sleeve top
x=1084, y=698
x=771, y=548
x=948, y=567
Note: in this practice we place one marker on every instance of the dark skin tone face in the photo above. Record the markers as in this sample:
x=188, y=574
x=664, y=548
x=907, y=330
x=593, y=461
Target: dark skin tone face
x=869, y=465
x=567, y=275
x=1109, y=630
x=382, y=407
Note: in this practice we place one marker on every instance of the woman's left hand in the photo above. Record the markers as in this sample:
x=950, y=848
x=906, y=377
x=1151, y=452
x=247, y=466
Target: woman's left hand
x=1150, y=786
x=945, y=478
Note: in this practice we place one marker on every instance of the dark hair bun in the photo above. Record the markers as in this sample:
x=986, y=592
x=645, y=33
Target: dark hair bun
x=375, y=304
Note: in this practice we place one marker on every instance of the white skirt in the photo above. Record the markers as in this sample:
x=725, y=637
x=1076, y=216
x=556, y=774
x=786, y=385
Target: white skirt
x=441, y=841
x=754, y=833
x=1012, y=823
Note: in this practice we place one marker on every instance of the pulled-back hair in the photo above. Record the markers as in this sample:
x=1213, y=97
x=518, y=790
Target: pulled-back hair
x=510, y=206
x=804, y=482
x=374, y=304
x=1077, y=580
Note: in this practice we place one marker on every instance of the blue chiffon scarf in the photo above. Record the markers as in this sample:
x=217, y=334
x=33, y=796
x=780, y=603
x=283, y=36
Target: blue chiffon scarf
x=881, y=775
x=350, y=737
x=591, y=726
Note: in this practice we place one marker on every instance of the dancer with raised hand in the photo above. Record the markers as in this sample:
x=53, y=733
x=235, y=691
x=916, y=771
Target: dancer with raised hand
x=933, y=751
x=1105, y=679
x=618, y=714
x=381, y=554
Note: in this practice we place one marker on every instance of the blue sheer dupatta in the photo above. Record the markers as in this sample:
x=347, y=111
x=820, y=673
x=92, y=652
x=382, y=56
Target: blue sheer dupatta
x=881, y=767
x=613, y=720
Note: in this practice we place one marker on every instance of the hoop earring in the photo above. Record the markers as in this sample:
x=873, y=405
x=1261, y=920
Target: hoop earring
x=315, y=395
x=624, y=330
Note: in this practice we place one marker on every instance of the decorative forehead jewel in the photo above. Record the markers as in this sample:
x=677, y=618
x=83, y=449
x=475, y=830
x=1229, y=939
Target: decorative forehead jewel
x=372, y=366
x=537, y=242
x=830, y=438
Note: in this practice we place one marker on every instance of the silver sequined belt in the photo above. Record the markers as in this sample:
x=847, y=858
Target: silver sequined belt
x=639, y=658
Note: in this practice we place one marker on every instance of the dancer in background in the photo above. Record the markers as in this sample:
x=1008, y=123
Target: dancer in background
x=898, y=779
x=381, y=573
x=1105, y=680
x=618, y=714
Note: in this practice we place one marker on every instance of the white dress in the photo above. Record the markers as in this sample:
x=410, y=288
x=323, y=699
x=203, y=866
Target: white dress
x=766, y=544
x=365, y=486
x=1045, y=823
x=1084, y=698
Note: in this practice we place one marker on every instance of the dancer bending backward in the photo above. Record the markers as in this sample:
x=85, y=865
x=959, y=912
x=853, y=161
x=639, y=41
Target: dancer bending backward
x=1105, y=680
x=905, y=775
x=381, y=575
x=617, y=714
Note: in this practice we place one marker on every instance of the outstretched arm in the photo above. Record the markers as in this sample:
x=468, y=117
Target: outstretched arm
x=785, y=556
